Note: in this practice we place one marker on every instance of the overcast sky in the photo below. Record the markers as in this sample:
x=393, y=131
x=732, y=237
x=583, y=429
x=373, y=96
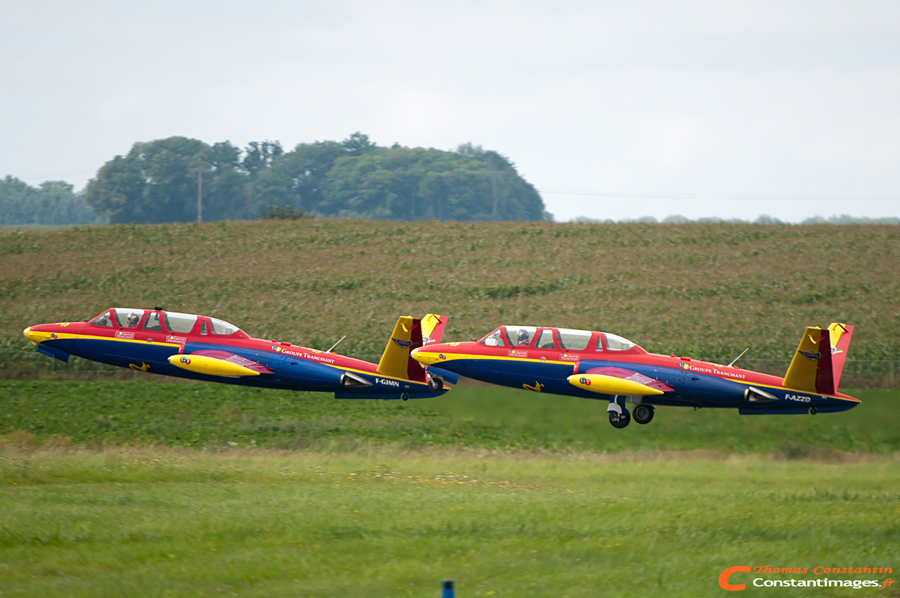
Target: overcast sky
x=611, y=109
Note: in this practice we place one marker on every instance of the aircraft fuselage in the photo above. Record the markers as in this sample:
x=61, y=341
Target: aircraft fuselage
x=233, y=358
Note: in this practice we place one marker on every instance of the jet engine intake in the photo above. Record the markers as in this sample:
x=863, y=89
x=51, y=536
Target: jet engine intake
x=755, y=395
x=351, y=380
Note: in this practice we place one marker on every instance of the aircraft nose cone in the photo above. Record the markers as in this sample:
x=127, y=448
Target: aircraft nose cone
x=35, y=336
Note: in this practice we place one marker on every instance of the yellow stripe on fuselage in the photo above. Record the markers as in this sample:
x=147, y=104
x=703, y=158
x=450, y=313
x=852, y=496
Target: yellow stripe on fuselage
x=428, y=356
x=69, y=335
x=454, y=356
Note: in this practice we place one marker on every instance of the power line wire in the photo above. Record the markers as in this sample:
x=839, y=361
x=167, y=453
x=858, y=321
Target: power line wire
x=713, y=197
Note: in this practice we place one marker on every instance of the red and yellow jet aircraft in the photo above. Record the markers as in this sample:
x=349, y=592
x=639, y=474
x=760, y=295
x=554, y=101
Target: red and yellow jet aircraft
x=209, y=349
x=605, y=366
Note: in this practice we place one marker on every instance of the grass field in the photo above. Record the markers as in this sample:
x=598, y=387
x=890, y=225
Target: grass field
x=708, y=290
x=148, y=488
x=197, y=415
x=153, y=522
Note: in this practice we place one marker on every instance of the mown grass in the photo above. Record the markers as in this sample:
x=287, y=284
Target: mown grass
x=152, y=522
x=196, y=415
x=709, y=290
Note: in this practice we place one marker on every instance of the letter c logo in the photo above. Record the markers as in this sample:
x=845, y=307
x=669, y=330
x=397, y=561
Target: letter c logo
x=723, y=579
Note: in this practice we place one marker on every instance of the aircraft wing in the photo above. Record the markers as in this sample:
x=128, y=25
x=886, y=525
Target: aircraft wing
x=618, y=381
x=218, y=363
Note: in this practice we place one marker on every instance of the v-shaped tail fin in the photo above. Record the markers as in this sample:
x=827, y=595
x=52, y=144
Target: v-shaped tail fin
x=840, y=344
x=819, y=361
x=397, y=361
x=433, y=328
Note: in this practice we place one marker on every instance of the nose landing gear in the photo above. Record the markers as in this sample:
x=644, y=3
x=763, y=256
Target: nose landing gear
x=619, y=420
x=618, y=414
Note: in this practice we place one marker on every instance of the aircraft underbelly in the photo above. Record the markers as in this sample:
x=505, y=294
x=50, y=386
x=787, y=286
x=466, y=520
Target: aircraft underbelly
x=84, y=349
x=518, y=374
x=118, y=353
x=306, y=374
x=712, y=391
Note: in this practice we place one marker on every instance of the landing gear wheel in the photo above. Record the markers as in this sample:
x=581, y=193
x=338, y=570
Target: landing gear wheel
x=619, y=420
x=435, y=384
x=643, y=414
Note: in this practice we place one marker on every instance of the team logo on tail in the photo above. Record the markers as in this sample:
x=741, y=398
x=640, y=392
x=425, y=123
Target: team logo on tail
x=403, y=343
x=811, y=355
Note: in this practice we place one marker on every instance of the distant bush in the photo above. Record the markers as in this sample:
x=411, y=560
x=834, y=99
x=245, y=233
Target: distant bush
x=277, y=212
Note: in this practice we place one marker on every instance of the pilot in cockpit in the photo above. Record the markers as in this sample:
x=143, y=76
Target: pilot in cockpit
x=522, y=338
x=133, y=319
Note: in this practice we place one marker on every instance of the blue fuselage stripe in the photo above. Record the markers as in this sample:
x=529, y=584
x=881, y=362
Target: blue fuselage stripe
x=288, y=372
x=690, y=388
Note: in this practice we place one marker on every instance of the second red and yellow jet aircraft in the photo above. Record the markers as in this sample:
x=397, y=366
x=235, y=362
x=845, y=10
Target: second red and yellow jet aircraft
x=600, y=365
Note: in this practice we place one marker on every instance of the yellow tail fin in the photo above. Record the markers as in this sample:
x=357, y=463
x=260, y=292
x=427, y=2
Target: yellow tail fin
x=819, y=360
x=433, y=328
x=396, y=360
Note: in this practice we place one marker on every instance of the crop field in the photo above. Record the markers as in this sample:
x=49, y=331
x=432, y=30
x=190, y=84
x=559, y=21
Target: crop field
x=707, y=290
x=130, y=485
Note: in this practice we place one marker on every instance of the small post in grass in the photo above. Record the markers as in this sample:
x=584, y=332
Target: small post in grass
x=447, y=587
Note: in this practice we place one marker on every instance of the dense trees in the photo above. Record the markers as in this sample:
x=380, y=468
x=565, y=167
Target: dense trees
x=53, y=202
x=157, y=182
x=416, y=184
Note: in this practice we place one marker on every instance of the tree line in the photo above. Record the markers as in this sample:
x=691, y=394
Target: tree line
x=159, y=181
x=53, y=202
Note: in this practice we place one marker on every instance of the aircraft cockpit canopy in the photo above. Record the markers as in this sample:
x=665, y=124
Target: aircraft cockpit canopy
x=614, y=342
x=164, y=321
x=564, y=339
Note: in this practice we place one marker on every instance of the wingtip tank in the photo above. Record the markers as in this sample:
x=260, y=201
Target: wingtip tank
x=210, y=366
x=610, y=385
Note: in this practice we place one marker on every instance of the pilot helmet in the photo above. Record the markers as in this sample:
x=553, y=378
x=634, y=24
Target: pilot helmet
x=522, y=337
x=133, y=320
